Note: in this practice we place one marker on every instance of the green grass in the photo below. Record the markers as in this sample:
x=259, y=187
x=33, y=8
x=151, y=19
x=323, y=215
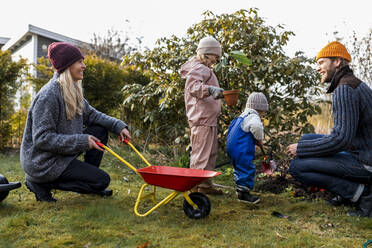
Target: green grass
x=90, y=221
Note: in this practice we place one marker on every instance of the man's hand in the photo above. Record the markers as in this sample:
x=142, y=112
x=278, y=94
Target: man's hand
x=216, y=92
x=92, y=143
x=124, y=134
x=292, y=150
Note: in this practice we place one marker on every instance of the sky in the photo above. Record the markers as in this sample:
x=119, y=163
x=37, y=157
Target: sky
x=313, y=22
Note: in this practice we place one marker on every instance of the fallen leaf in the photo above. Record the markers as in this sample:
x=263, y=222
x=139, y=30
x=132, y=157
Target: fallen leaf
x=144, y=245
x=280, y=236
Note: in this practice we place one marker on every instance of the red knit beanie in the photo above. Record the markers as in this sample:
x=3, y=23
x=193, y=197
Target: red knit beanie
x=62, y=55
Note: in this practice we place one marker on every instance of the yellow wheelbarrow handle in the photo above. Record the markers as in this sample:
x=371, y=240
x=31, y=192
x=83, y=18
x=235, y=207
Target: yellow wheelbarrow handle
x=138, y=153
x=118, y=157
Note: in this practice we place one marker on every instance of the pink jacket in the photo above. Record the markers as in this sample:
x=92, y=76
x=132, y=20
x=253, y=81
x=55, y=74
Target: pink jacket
x=201, y=108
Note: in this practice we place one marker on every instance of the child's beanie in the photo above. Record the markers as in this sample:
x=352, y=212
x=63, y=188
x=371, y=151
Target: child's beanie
x=209, y=45
x=257, y=101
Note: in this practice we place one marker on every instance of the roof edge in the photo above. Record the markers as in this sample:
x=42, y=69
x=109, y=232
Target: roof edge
x=45, y=33
x=4, y=40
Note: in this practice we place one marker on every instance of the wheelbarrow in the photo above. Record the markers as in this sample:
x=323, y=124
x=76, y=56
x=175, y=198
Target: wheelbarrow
x=6, y=186
x=181, y=180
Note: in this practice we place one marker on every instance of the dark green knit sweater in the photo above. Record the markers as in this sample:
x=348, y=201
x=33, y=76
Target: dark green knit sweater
x=352, y=131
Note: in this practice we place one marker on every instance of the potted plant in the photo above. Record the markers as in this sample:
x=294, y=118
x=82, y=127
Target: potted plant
x=231, y=96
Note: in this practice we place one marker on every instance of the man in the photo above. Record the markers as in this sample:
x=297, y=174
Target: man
x=340, y=162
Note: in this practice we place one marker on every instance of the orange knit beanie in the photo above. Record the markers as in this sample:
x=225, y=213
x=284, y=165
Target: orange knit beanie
x=334, y=49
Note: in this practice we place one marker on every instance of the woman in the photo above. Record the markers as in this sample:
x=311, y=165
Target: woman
x=54, y=134
x=203, y=106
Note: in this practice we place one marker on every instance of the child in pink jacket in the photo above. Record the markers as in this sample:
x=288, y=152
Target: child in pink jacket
x=203, y=106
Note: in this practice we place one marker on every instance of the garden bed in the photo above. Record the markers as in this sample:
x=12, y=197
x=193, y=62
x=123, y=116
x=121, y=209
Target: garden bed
x=281, y=181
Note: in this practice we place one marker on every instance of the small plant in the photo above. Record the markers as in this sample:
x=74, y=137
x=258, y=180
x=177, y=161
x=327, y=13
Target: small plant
x=289, y=190
x=224, y=62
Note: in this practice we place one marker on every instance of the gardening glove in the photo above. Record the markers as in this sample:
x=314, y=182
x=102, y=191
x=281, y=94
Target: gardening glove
x=216, y=92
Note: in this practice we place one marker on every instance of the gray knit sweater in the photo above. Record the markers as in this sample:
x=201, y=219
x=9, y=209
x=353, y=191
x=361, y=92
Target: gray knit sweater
x=50, y=141
x=352, y=131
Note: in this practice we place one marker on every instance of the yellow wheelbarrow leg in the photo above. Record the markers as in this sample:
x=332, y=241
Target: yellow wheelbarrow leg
x=166, y=200
x=188, y=199
x=152, y=194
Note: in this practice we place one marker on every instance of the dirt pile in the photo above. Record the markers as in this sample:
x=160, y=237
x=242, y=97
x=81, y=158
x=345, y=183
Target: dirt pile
x=281, y=181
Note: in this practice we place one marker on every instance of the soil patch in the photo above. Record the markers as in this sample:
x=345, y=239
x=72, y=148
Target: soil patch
x=281, y=181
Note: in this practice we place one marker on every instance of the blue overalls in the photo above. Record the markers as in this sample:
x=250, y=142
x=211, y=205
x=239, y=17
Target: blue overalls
x=240, y=148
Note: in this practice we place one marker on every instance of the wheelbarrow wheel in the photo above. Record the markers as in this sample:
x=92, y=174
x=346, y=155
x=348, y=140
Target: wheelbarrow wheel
x=3, y=194
x=203, y=203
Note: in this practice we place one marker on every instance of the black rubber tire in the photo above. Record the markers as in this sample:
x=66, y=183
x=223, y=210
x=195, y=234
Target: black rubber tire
x=203, y=203
x=3, y=194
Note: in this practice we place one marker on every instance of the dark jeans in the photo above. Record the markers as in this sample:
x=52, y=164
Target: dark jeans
x=339, y=173
x=85, y=177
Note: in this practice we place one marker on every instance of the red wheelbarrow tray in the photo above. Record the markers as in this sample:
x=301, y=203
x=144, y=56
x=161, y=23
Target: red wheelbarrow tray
x=176, y=178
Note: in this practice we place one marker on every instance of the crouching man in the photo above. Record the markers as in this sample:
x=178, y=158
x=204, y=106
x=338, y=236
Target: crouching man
x=340, y=162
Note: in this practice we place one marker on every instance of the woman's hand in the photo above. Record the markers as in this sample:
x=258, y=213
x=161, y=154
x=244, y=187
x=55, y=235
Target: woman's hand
x=292, y=150
x=124, y=134
x=92, y=143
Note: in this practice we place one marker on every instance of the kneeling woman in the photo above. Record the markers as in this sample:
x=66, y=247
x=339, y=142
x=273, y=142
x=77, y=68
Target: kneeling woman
x=61, y=125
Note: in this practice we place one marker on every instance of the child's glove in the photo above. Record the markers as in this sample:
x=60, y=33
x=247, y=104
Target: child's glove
x=215, y=92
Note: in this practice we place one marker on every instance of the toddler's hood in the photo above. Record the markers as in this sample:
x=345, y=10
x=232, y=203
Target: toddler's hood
x=185, y=68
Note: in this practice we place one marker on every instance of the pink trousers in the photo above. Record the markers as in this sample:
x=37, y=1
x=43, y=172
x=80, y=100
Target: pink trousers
x=204, y=146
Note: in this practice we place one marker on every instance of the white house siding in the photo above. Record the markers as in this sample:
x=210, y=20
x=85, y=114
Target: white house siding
x=26, y=51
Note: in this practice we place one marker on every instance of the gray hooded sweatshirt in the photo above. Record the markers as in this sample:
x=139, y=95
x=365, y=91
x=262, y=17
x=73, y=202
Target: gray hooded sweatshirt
x=50, y=141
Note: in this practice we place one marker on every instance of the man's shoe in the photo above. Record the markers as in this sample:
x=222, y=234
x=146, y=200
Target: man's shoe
x=337, y=201
x=210, y=190
x=364, y=205
x=41, y=192
x=106, y=192
x=247, y=197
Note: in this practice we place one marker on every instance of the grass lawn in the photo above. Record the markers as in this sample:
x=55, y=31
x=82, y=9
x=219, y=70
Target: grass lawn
x=91, y=221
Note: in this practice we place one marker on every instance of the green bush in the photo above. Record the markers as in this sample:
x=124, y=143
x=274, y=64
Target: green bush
x=10, y=81
x=103, y=83
x=44, y=73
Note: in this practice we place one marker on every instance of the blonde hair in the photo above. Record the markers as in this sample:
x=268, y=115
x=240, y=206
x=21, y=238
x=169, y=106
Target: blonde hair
x=72, y=93
x=205, y=59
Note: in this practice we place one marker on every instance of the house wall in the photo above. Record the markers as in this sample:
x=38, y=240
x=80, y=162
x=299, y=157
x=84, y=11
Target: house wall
x=26, y=52
x=42, y=46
